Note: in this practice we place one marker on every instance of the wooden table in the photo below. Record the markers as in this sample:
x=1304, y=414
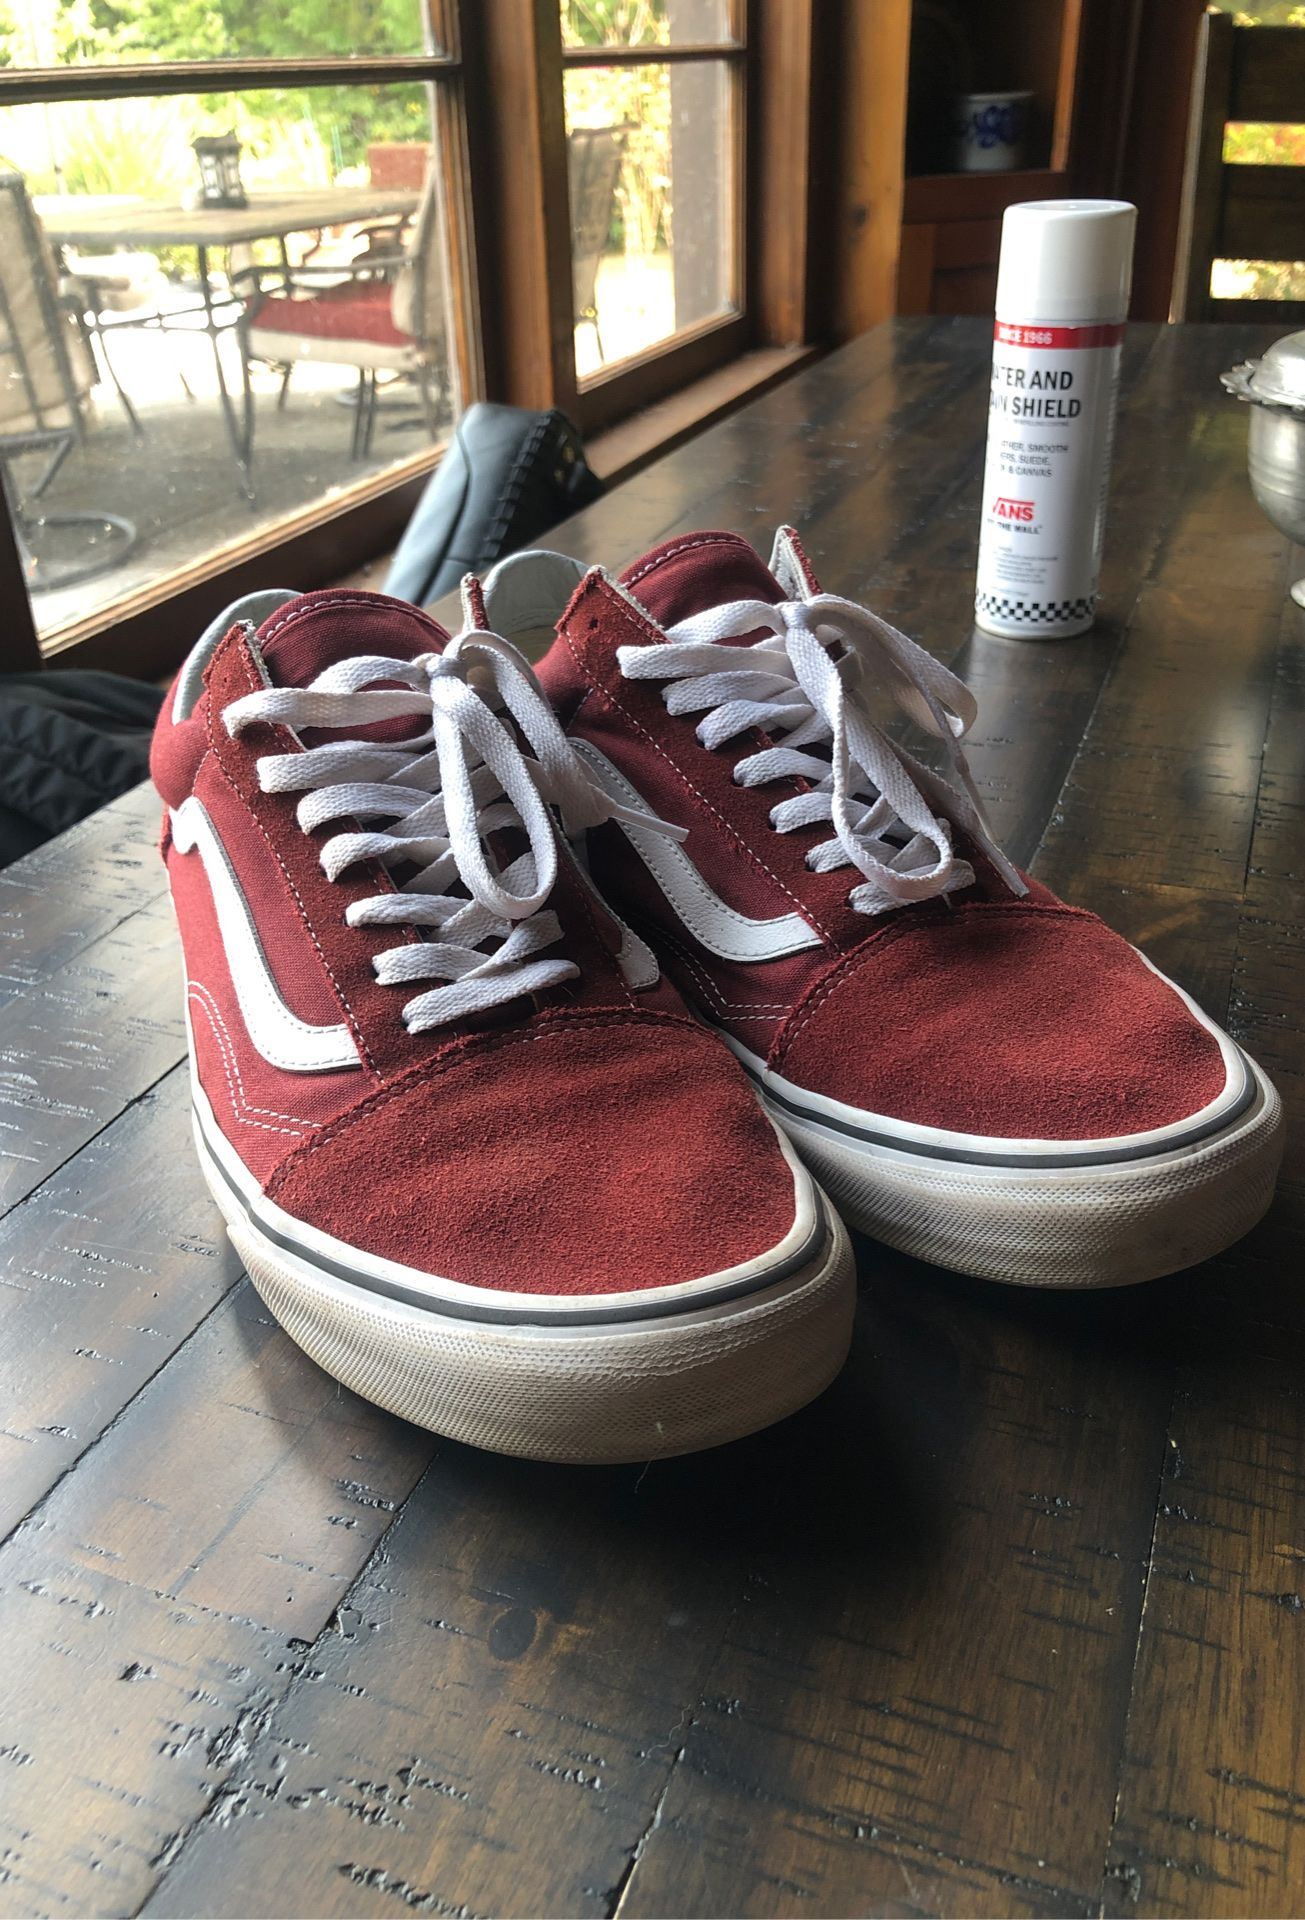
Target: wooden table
x=97, y=220
x=94, y=220
x=1011, y=1622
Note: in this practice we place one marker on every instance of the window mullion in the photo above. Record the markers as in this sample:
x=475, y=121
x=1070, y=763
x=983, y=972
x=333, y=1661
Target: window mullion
x=778, y=177
x=517, y=135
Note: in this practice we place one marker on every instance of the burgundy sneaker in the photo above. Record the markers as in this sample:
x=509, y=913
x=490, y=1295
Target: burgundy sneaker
x=978, y=1073
x=475, y=1153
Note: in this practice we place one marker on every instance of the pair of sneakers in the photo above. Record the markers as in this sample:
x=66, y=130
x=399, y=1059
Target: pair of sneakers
x=534, y=1015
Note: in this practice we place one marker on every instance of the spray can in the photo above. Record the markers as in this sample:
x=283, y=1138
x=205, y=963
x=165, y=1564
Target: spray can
x=1062, y=295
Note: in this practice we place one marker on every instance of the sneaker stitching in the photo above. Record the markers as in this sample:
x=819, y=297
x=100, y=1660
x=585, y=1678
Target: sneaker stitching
x=468, y=1053
x=670, y=553
x=740, y=844
x=241, y=1106
x=302, y=612
x=758, y=1010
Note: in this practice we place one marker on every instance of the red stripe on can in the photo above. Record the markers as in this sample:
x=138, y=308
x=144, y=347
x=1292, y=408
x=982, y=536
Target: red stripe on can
x=1013, y=335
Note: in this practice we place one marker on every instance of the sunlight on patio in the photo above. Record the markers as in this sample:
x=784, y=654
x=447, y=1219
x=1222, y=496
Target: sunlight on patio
x=635, y=299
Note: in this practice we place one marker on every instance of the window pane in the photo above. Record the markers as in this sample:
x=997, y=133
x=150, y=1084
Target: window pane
x=654, y=212
x=45, y=33
x=164, y=360
x=644, y=23
x=1257, y=279
x=1258, y=143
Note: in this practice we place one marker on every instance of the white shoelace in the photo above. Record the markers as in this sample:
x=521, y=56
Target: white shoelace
x=892, y=816
x=443, y=791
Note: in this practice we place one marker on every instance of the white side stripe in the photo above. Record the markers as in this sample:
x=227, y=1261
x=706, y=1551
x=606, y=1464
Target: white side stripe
x=283, y=1039
x=713, y=923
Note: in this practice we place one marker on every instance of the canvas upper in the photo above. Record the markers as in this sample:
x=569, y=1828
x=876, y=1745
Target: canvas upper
x=919, y=977
x=550, y=1119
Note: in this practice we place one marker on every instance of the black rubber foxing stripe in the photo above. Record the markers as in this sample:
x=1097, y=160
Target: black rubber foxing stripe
x=1087, y=1157
x=656, y=1309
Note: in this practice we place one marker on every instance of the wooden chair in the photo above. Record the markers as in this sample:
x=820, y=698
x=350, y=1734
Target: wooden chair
x=1240, y=212
x=384, y=313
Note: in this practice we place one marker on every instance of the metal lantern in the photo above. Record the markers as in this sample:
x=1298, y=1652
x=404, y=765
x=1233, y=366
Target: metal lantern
x=219, y=169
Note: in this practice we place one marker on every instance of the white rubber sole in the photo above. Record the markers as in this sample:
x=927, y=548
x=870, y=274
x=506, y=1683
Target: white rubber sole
x=585, y=1390
x=1092, y=1221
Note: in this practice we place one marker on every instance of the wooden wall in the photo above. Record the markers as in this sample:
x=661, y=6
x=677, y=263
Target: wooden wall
x=1113, y=83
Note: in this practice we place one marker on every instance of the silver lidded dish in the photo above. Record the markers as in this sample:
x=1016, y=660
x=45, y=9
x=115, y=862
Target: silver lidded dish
x=1274, y=388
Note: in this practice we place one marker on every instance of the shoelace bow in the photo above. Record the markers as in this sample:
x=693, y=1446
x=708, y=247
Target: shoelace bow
x=892, y=816
x=443, y=791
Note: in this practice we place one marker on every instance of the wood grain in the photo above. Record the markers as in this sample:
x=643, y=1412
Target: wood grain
x=159, y=1604
x=1009, y=1622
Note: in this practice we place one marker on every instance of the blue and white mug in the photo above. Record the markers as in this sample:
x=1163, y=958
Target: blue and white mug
x=992, y=131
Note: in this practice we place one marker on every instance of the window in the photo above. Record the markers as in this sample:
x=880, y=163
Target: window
x=653, y=148
x=254, y=261
x=228, y=281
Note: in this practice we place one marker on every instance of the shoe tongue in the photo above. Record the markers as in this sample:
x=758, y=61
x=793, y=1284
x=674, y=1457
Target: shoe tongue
x=312, y=632
x=688, y=576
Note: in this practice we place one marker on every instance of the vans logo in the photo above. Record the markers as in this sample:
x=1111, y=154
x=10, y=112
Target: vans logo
x=276, y=1032
x=1005, y=509
x=714, y=924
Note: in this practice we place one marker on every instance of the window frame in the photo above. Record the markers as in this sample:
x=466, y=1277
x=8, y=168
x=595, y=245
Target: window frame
x=495, y=69
x=687, y=355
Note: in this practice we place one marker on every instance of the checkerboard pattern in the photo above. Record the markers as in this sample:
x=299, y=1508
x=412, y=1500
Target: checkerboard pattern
x=1033, y=613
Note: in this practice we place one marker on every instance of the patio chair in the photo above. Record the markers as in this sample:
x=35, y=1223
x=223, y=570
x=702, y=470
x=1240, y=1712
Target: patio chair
x=128, y=285
x=46, y=372
x=384, y=313
x=594, y=157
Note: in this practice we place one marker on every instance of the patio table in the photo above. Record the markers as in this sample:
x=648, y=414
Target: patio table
x=1011, y=1621
x=97, y=221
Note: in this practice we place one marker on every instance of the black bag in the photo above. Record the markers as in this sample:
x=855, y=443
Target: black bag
x=508, y=477
x=70, y=740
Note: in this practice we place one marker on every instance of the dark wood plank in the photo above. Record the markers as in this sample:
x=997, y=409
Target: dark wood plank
x=1211, y=1797
x=104, y=1272
x=160, y=1603
x=1213, y=1787
x=1164, y=788
x=1263, y=209
x=848, y=1833
x=1268, y=80
x=494, y=1727
x=77, y=888
x=78, y=1048
x=857, y=1748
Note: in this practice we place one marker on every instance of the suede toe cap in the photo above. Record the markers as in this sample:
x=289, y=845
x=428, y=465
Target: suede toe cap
x=582, y=1154
x=1014, y=1022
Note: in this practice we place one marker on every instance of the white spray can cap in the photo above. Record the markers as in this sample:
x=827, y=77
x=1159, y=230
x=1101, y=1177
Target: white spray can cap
x=1066, y=260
